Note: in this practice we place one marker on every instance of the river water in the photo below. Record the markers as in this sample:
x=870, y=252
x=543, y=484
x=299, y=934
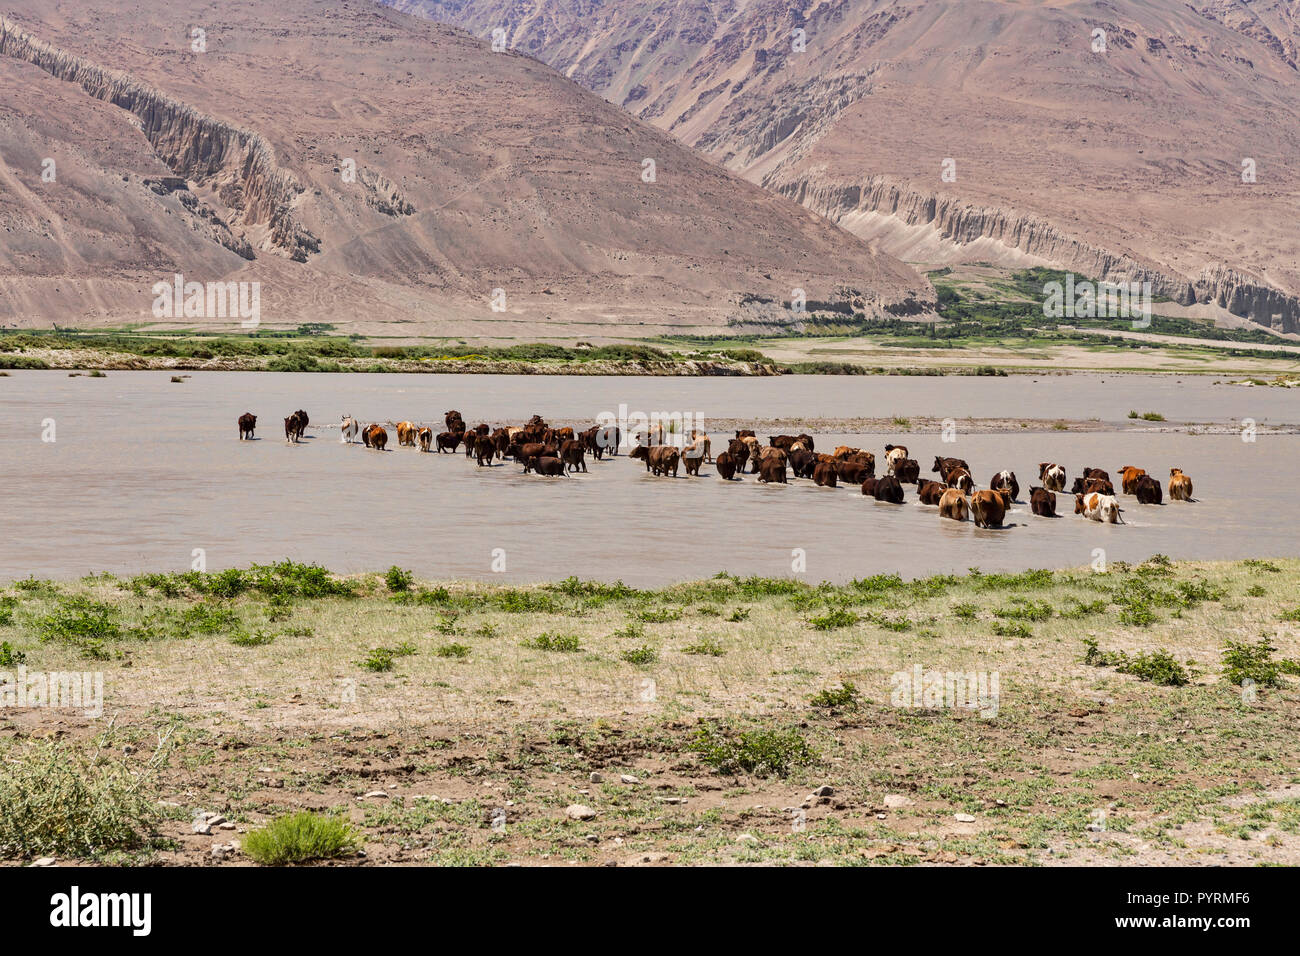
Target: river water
x=143, y=471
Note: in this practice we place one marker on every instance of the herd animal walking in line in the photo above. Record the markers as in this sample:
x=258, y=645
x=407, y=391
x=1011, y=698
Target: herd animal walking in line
x=543, y=449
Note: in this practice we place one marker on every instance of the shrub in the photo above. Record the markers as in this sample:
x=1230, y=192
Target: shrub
x=844, y=697
x=398, y=579
x=706, y=647
x=834, y=619
x=764, y=751
x=1158, y=668
x=1243, y=661
x=379, y=659
x=554, y=642
x=58, y=801
x=452, y=650
x=10, y=657
x=301, y=837
x=641, y=655
x=256, y=638
x=659, y=615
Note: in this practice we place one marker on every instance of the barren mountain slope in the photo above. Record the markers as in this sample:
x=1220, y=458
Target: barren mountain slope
x=1117, y=154
x=474, y=171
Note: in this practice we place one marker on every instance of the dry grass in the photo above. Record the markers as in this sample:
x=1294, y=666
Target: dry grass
x=1066, y=739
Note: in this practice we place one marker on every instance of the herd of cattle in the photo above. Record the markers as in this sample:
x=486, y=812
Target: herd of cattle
x=557, y=451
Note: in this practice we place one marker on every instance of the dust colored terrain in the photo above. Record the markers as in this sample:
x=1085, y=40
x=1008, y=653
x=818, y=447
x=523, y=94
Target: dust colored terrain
x=1135, y=139
x=373, y=170
x=599, y=724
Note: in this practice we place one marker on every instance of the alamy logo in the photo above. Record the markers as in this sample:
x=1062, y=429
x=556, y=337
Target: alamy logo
x=73, y=909
x=75, y=690
x=208, y=300
x=1100, y=300
x=935, y=690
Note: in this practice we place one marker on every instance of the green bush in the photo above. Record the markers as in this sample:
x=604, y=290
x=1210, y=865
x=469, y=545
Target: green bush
x=764, y=751
x=844, y=697
x=58, y=801
x=397, y=579
x=641, y=655
x=706, y=647
x=567, y=643
x=1243, y=661
x=834, y=619
x=301, y=837
x=1158, y=668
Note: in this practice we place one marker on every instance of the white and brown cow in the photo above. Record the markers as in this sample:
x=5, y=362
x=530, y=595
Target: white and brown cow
x=1103, y=508
x=1051, y=475
x=349, y=430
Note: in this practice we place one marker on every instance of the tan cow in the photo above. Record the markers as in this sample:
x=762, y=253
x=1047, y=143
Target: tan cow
x=406, y=432
x=989, y=507
x=1180, y=486
x=953, y=505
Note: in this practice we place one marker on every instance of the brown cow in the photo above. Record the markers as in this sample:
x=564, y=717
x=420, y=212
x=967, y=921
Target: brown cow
x=247, y=422
x=739, y=452
x=843, y=451
x=960, y=478
x=1096, y=473
x=551, y=467
x=571, y=453
x=944, y=465
x=953, y=505
x=726, y=465
x=907, y=470
x=888, y=489
x=772, y=470
x=534, y=449
x=930, y=492
x=988, y=508
x=452, y=419
x=1147, y=490
x=803, y=463
x=852, y=471
x=663, y=459
x=1042, y=502
x=1092, y=486
x=743, y=433
x=293, y=426
x=1129, y=476
x=448, y=441
x=485, y=450
x=376, y=437
x=783, y=442
x=824, y=475
x=697, y=452
x=1180, y=486
x=406, y=432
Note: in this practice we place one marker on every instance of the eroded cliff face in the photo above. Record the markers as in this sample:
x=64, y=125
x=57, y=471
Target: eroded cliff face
x=237, y=165
x=1116, y=161
x=961, y=223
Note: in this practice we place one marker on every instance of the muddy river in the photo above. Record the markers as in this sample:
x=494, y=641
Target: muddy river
x=141, y=472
